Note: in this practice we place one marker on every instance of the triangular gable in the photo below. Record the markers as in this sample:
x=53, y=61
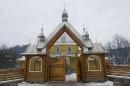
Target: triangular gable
x=70, y=30
x=64, y=39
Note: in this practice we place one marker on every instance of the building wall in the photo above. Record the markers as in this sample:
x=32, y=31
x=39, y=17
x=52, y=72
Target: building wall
x=63, y=49
x=71, y=56
x=64, y=41
x=35, y=76
x=93, y=75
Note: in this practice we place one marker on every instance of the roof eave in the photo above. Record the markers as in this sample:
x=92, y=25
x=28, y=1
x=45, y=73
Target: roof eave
x=96, y=52
x=24, y=54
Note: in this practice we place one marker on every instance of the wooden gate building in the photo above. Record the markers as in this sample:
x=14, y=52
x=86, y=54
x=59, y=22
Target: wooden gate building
x=63, y=52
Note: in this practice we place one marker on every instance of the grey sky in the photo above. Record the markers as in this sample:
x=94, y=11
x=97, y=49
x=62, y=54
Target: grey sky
x=20, y=20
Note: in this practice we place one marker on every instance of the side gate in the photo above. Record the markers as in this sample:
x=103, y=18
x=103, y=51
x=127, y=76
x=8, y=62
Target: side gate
x=57, y=70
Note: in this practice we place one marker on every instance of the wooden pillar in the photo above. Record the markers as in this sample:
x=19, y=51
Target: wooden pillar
x=25, y=70
x=78, y=68
x=105, y=67
x=83, y=68
x=45, y=68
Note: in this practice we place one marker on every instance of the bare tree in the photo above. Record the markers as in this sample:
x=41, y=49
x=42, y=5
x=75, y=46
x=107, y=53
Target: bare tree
x=119, y=49
x=7, y=57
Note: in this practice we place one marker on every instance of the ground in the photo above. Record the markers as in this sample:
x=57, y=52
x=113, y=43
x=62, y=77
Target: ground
x=70, y=81
x=108, y=83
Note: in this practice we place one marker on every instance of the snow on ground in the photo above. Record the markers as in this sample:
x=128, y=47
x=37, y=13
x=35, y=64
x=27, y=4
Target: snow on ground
x=29, y=84
x=9, y=81
x=119, y=77
x=71, y=77
x=107, y=83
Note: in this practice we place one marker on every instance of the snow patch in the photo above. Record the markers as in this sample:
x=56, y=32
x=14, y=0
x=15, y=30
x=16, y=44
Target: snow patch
x=107, y=83
x=9, y=81
x=119, y=77
x=71, y=77
x=29, y=84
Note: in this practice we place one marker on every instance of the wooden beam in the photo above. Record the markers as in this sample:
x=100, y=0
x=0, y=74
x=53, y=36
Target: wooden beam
x=70, y=33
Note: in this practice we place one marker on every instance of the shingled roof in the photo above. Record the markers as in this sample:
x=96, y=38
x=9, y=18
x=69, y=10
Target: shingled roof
x=97, y=49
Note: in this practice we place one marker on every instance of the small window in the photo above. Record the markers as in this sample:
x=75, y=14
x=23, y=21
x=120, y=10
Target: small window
x=39, y=50
x=58, y=49
x=35, y=64
x=63, y=39
x=89, y=49
x=94, y=63
x=69, y=49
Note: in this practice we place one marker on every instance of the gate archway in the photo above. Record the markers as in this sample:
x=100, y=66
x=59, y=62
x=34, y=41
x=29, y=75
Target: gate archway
x=64, y=67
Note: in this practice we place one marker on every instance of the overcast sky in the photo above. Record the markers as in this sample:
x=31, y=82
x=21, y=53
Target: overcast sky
x=21, y=20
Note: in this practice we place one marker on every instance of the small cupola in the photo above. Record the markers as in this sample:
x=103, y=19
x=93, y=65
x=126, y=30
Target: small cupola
x=64, y=15
x=85, y=34
x=41, y=37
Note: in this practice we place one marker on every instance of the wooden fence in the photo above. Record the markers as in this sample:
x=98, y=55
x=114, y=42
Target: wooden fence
x=10, y=74
x=120, y=70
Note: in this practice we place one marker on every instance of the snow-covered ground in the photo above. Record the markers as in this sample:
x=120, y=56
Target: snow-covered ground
x=71, y=77
x=119, y=77
x=107, y=83
x=28, y=84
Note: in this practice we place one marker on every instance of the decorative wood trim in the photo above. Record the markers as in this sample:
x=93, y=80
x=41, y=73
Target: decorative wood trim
x=99, y=63
x=59, y=33
x=30, y=64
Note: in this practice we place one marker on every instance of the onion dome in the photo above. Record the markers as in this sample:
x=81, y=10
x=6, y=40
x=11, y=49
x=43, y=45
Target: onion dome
x=64, y=15
x=85, y=34
x=41, y=37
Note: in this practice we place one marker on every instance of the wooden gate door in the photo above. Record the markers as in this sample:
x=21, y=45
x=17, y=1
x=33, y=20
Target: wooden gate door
x=57, y=70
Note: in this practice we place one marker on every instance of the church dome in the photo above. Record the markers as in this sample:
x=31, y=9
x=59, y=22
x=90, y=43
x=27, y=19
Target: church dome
x=64, y=15
x=85, y=34
x=41, y=37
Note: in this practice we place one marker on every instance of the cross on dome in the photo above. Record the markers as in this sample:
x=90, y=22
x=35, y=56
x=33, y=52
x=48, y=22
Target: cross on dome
x=64, y=15
x=41, y=37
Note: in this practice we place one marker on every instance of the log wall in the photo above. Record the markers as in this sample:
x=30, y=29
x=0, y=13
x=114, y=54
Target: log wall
x=37, y=76
x=88, y=76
